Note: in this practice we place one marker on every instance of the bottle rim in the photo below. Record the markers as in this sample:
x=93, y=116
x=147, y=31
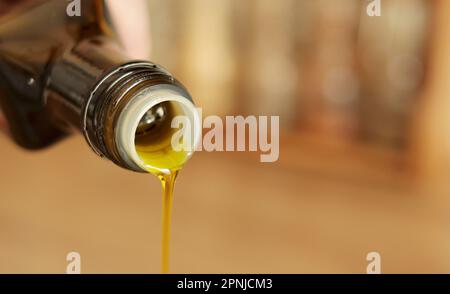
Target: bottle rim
x=136, y=108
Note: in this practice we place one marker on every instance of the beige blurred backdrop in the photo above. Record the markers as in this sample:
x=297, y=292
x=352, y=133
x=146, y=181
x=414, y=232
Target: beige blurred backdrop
x=364, y=153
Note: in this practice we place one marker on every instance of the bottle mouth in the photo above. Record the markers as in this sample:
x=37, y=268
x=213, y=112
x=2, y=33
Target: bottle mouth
x=149, y=136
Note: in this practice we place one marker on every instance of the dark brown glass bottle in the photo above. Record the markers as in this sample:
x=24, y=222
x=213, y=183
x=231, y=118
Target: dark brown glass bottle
x=60, y=73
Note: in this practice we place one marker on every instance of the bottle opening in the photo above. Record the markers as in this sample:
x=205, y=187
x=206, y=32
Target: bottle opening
x=153, y=137
x=147, y=137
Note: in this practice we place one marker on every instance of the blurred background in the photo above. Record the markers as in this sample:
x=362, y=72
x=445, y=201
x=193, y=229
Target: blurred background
x=364, y=153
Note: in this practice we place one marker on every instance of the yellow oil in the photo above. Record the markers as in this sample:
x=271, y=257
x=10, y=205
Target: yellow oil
x=155, y=149
x=168, y=182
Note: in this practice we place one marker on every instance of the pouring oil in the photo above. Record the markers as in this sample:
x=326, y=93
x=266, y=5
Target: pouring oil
x=153, y=145
x=80, y=80
x=168, y=182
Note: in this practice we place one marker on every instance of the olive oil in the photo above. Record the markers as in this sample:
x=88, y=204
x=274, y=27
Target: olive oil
x=154, y=140
x=168, y=182
x=154, y=146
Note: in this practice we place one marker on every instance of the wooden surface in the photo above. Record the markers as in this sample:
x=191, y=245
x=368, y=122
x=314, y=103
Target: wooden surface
x=308, y=213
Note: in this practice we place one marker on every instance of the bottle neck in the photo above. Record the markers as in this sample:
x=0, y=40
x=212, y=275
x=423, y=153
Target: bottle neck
x=92, y=88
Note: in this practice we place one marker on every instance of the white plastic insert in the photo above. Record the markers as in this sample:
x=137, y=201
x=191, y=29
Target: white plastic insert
x=137, y=107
